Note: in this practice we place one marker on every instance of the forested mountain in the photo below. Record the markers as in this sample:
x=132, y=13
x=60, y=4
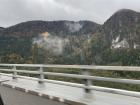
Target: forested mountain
x=116, y=42
x=51, y=37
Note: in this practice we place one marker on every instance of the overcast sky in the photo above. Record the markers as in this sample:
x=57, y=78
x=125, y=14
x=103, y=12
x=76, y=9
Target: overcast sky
x=16, y=11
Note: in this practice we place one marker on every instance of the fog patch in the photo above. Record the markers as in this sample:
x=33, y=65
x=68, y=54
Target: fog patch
x=74, y=27
x=51, y=43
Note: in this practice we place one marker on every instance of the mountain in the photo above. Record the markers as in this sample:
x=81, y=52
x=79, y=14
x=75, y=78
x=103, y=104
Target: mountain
x=59, y=28
x=65, y=41
x=116, y=42
x=122, y=29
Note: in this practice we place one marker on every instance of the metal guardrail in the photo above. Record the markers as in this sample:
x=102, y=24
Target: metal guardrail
x=85, y=75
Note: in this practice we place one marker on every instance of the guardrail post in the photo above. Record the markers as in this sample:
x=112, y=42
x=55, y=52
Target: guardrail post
x=87, y=82
x=14, y=72
x=41, y=75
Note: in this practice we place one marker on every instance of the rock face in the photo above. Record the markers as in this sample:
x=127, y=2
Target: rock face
x=122, y=30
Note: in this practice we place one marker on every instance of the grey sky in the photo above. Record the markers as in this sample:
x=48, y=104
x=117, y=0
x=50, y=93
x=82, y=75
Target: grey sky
x=16, y=11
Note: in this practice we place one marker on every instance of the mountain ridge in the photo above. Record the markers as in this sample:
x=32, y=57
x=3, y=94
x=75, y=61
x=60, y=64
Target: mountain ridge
x=34, y=28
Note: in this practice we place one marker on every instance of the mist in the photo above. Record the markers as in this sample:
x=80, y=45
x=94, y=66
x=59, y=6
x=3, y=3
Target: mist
x=54, y=44
x=74, y=27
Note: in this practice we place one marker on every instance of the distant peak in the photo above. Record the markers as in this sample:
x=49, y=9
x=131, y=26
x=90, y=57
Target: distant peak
x=126, y=11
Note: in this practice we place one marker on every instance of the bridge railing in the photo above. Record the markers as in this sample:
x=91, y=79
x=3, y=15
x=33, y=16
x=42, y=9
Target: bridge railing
x=85, y=76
